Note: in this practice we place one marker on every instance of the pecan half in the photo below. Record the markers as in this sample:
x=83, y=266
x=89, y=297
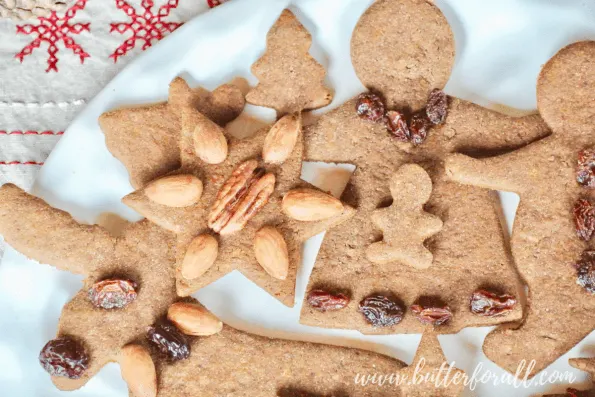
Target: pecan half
x=241, y=197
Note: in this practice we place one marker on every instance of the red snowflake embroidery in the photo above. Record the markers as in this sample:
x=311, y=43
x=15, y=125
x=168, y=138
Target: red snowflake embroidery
x=53, y=30
x=215, y=3
x=145, y=26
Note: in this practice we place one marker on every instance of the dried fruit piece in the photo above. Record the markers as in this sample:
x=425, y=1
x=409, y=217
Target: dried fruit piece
x=584, y=219
x=585, y=269
x=418, y=128
x=271, y=252
x=323, y=301
x=370, y=107
x=281, y=139
x=381, y=311
x=175, y=190
x=585, y=171
x=200, y=256
x=193, y=319
x=437, y=106
x=241, y=197
x=310, y=205
x=432, y=315
x=138, y=371
x=112, y=293
x=488, y=304
x=64, y=357
x=169, y=340
x=396, y=125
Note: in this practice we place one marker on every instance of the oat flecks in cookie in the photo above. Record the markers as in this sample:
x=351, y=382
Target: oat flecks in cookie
x=250, y=200
x=429, y=360
x=146, y=139
x=470, y=252
x=405, y=224
x=289, y=79
x=544, y=240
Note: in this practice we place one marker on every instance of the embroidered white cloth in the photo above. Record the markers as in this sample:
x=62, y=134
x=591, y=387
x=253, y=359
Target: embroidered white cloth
x=51, y=66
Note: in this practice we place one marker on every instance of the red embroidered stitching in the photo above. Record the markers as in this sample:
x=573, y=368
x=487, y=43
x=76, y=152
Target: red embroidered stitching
x=20, y=163
x=145, y=25
x=19, y=132
x=53, y=30
x=215, y=3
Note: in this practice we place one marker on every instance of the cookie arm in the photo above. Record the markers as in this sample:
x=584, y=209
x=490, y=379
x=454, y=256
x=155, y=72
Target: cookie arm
x=49, y=235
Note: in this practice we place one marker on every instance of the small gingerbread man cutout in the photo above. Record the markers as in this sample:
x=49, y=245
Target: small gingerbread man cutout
x=411, y=188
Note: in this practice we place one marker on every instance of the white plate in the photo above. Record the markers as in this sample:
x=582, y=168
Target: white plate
x=501, y=45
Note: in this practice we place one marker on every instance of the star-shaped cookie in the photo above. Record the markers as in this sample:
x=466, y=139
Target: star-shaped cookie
x=240, y=159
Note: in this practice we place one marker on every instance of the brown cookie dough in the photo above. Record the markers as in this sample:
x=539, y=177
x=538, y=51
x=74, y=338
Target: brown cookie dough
x=544, y=241
x=146, y=138
x=586, y=365
x=235, y=250
x=289, y=79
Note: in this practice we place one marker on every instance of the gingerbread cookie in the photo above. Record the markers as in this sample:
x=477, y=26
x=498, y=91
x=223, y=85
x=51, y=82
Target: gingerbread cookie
x=553, y=178
x=586, y=365
x=471, y=281
x=243, y=204
x=289, y=79
x=146, y=139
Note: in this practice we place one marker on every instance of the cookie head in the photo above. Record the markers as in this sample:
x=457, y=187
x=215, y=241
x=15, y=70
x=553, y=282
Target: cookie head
x=403, y=49
x=566, y=90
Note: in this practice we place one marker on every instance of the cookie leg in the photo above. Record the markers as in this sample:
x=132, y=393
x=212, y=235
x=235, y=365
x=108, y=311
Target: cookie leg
x=49, y=235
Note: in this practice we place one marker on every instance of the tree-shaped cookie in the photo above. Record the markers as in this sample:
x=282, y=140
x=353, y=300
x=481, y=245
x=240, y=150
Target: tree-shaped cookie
x=289, y=79
x=146, y=138
x=586, y=365
x=554, y=178
x=238, y=204
x=471, y=260
x=410, y=188
x=128, y=312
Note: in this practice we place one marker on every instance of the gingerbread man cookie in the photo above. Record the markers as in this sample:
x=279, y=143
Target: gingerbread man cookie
x=553, y=179
x=472, y=280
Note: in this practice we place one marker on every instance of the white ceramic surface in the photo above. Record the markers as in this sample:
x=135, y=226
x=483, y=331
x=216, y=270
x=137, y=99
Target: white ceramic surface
x=501, y=45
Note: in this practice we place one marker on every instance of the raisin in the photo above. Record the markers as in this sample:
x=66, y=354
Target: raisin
x=396, y=125
x=64, y=357
x=584, y=219
x=585, y=269
x=326, y=301
x=437, y=106
x=381, y=311
x=585, y=172
x=112, y=293
x=418, y=128
x=370, y=107
x=169, y=340
x=432, y=315
x=488, y=304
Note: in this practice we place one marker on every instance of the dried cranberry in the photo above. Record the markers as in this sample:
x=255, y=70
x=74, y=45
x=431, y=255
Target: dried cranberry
x=432, y=315
x=326, y=301
x=64, y=357
x=396, y=125
x=437, y=107
x=418, y=128
x=381, y=311
x=169, y=340
x=585, y=171
x=370, y=107
x=488, y=304
x=112, y=293
x=584, y=219
x=585, y=269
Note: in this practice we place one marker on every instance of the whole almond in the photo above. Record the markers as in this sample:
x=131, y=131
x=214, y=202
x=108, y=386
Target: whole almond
x=310, y=205
x=281, y=139
x=210, y=144
x=138, y=371
x=175, y=190
x=193, y=319
x=200, y=256
x=271, y=252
